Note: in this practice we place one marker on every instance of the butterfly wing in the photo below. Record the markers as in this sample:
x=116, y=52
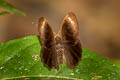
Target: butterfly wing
x=70, y=33
x=48, y=52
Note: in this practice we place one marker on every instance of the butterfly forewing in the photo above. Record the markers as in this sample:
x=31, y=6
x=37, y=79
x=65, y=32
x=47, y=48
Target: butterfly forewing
x=48, y=52
x=70, y=33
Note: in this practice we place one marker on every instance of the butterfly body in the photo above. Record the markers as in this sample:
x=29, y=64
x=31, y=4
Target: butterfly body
x=63, y=46
x=59, y=49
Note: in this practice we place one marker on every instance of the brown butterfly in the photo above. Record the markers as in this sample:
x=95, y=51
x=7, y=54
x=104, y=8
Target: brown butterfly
x=62, y=46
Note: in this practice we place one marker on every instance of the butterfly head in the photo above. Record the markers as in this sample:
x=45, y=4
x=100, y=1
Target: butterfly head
x=57, y=39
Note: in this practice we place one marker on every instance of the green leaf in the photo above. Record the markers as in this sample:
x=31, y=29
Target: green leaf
x=20, y=60
x=10, y=8
x=4, y=13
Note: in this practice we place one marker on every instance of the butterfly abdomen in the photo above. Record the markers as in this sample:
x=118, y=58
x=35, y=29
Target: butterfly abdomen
x=59, y=49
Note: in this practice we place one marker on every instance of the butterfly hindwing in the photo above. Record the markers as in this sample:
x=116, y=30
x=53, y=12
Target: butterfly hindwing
x=48, y=52
x=70, y=38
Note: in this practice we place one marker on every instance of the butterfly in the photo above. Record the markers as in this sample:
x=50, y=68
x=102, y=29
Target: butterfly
x=65, y=45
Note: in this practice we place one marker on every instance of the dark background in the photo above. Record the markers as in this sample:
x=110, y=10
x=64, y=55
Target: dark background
x=99, y=22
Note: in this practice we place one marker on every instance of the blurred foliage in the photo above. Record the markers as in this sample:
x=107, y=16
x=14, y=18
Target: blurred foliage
x=116, y=62
x=20, y=60
x=9, y=8
x=4, y=12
